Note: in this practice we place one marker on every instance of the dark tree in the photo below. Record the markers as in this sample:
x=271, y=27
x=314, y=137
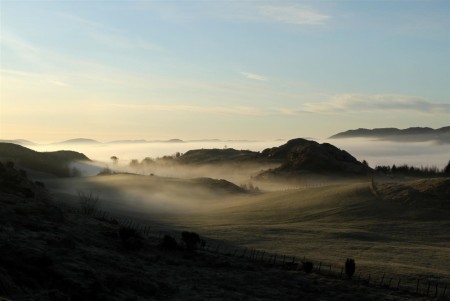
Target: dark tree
x=169, y=243
x=447, y=169
x=308, y=267
x=350, y=267
x=190, y=239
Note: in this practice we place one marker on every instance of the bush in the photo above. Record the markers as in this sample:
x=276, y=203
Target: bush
x=169, y=243
x=308, y=267
x=350, y=267
x=131, y=239
x=88, y=203
x=190, y=239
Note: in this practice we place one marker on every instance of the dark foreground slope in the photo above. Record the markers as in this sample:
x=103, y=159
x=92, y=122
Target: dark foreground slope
x=47, y=253
x=56, y=163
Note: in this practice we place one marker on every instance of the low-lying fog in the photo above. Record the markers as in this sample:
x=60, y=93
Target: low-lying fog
x=375, y=152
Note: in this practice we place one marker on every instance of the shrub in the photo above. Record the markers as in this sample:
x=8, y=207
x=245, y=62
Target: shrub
x=88, y=202
x=169, y=243
x=350, y=267
x=308, y=267
x=190, y=239
x=131, y=239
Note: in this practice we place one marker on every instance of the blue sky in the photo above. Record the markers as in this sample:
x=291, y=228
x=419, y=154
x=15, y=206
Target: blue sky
x=221, y=69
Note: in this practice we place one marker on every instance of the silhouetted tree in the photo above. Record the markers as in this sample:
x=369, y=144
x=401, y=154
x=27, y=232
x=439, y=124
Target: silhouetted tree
x=350, y=267
x=308, y=267
x=114, y=159
x=190, y=239
x=447, y=169
x=134, y=163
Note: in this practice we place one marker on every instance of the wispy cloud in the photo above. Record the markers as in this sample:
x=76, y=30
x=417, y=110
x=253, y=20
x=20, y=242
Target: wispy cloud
x=351, y=103
x=234, y=110
x=253, y=76
x=293, y=14
x=240, y=11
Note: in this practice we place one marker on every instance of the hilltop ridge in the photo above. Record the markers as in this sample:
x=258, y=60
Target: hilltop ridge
x=412, y=134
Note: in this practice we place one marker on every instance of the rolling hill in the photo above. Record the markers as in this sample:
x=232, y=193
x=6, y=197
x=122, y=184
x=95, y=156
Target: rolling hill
x=56, y=163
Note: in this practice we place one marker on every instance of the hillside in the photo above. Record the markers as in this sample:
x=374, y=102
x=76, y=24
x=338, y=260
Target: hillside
x=296, y=157
x=431, y=193
x=56, y=163
x=300, y=156
x=49, y=253
x=412, y=134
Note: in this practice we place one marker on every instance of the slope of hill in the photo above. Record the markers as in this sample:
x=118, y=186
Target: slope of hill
x=48, y=253
x=18, y=141
x=414, y=134
x=56, y=163
x=334, y=222
x=434, y=193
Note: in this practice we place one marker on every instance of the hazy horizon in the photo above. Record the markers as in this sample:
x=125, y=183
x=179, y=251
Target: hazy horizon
x=375, y=152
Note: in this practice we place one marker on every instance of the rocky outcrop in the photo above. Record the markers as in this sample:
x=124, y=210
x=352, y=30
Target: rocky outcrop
x=300, y=156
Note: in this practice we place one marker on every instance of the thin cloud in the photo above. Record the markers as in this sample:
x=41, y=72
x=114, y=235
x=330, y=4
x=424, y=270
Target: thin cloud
x=293, y=14
x=235, y=110
x=254, y=76
x=351, y=103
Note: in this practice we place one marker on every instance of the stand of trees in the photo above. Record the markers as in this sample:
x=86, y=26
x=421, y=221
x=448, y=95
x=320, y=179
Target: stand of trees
x=414, y=171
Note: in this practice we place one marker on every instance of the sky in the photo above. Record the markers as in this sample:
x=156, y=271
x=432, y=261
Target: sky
x=111, y=70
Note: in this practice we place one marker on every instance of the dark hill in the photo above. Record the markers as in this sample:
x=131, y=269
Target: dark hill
x=300, y=156
x=209, y=156
x=79, y=141
x=413, y=134
x=56, y=163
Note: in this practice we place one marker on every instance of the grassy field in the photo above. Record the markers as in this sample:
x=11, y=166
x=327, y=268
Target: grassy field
x=327, y=223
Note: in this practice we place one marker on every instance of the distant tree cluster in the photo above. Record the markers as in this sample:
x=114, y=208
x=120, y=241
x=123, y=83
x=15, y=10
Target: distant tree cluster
x=423, y=171
x=250, y=187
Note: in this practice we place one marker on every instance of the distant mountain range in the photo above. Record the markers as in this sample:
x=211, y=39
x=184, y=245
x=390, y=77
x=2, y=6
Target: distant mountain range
x=412, y=134
x=86, y=141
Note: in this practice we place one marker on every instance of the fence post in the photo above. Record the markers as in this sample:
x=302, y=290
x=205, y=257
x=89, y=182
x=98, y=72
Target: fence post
x=342, y=271
x=443, y=293
x=382, y=279
x=320, y=266
x=428, y=288
x=436, y=292
x=262, y=255
x=398, y=283
x=417, y=287
x=368, y=280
